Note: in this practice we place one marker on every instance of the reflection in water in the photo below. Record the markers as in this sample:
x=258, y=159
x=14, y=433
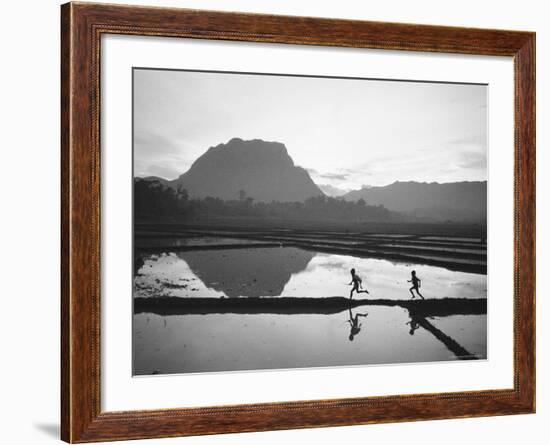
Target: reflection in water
x=328, y=275
x=247, y=272
x=207, y=343
x=354, y=324
x=470, y=332
x=139, y=262
x=239, y=341
x=451, y=344
x=291, y=272
x=413, y=323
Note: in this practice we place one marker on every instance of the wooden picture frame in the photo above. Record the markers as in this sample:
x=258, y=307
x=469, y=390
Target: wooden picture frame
x=82, y=25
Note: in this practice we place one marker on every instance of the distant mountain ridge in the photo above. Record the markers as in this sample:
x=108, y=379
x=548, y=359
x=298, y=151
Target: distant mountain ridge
x=456, y=201
x=256, y=169
x=265, y=172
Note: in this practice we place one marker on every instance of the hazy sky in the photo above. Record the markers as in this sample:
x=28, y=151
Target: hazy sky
x=346, y=132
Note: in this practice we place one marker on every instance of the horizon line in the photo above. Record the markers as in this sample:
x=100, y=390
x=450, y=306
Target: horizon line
x=347, y=190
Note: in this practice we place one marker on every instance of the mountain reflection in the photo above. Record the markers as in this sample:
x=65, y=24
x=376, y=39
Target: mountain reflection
x=247, y=272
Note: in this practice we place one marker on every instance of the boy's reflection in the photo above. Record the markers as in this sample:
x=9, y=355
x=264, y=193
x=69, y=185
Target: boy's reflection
x=413, y=323
x=354, y=324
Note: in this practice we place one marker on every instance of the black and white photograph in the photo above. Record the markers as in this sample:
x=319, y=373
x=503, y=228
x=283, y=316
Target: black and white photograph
x=287, y=221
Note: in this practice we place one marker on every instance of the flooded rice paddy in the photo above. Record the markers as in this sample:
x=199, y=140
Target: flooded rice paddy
x=200, y=268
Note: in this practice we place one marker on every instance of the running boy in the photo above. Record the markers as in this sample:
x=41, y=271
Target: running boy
x=357, y=284
x=416, y=282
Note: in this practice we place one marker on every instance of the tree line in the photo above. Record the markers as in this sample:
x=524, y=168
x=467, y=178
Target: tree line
x=154, y=199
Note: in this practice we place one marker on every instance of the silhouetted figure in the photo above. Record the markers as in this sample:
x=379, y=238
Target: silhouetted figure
x=357, y=284
x=354, y=324
x=415, y=284
x=413, y=324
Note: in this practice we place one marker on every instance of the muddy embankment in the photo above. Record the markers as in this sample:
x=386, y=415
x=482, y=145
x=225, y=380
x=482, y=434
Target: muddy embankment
x=293, y=305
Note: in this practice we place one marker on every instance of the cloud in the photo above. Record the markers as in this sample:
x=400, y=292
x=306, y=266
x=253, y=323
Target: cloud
x=344, y=179
x=473, y=160
x=163, y=171
x=334, y=176
x=476, y=140
x=157, y=155
x=342, y=174
x=153, y=145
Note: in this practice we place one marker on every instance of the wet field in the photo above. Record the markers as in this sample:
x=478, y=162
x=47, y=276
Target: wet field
x=223, y=300
x=461, y=253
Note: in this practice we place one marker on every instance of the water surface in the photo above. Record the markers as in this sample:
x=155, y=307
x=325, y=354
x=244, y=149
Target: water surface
x=230, y=342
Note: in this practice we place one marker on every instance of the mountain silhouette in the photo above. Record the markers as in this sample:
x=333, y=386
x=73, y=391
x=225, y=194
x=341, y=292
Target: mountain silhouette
x=242, y=169
x=456, y=201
